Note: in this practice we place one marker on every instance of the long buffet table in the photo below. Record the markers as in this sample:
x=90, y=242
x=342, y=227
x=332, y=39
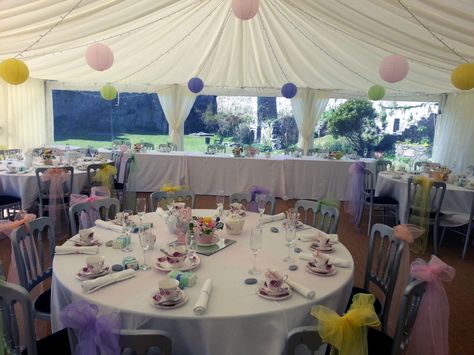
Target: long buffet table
x=285, y=177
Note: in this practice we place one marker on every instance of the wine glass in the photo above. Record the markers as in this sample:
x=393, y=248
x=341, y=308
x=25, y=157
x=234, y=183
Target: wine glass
x=220, y=198
x=127, y=226
x=141, y=208
x=145, y=243
x=261, y=200
x=290, y=236
x=255, y=246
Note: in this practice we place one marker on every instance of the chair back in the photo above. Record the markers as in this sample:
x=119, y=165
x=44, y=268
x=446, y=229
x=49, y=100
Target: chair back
x=142, y=342
x=368, y=189
x=407, y=315
x=106, y=208
x=327, y=219
x=438, y=189
x=307, y=210
x=307, y=336
x=33, y=256
x=187, y=196
x=383, y=262
x=43, y=186
x=12, y=295
x=148, y=146
x=156, y=197
x=220, y=148
x=92, y=170
x=382, y=165
x=241, y=197
x=270, y=200
x=313, y=151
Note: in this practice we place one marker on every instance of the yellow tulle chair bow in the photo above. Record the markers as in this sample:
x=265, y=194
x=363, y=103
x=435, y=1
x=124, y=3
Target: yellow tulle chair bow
x=105, y=176
x=421, y=213
x=348, y=333
x=172, y=188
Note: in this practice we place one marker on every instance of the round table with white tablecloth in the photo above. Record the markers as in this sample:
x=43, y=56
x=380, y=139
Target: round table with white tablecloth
x=237, y=320
x=457, y=199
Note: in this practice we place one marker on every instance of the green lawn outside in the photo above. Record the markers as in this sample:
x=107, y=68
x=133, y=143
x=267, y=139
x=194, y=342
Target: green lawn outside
x=191, y=143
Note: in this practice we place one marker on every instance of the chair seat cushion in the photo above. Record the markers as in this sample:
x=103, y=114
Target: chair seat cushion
x=356, y=290
x=8, y=200
x=378, y=342
x=56, y=343
x=43, y=302
x=383, y=200
x=118, y=185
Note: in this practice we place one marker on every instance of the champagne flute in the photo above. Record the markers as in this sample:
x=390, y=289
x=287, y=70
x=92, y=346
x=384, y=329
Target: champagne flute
x=145, y=243
x=127, y=226
x=220, y=198
x=261, y=200
x=255, y=246
x=141, y=208
x=290, y=236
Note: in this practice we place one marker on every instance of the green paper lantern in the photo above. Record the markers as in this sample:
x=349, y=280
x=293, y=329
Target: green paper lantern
x=376, y=92
x=14, y=71
x=108, y=93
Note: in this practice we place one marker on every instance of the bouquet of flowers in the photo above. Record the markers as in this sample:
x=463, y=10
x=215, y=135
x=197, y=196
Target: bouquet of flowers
x=202, y=226
x=47, y=155
x=137, y=147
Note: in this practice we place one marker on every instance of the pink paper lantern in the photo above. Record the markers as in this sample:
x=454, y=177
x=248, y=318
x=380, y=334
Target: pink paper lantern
x=393, y=68
x=245, y=9
x=99, y=57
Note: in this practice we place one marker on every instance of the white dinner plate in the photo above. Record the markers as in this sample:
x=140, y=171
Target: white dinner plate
x=82, y=274
x=330, y=272
x=284, y=296
x=183, y=299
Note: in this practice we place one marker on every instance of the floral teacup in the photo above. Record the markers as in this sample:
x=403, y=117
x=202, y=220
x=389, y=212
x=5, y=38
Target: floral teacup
x=274, y=280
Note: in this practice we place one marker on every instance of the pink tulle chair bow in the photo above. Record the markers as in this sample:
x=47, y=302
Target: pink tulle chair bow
x=88, y=219
x=96, y=335
x=430, y=332
x=356, y=182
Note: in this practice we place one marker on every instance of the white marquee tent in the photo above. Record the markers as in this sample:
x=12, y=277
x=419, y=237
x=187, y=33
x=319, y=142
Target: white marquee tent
x=327, y=48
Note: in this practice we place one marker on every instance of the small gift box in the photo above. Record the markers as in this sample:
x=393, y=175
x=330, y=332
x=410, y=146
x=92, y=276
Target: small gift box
x=130, y=262
x=186, y=279
x=121, y=242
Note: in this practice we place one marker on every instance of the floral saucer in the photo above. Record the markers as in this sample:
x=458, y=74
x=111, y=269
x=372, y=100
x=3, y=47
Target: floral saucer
x=189, y=263
x=85, y=274
x=324, y=249
x=312, y=269
x=213, y=241
x=158, y=302
x=265, y=292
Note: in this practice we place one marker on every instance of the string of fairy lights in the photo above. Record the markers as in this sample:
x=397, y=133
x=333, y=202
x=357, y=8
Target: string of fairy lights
x=99, y=56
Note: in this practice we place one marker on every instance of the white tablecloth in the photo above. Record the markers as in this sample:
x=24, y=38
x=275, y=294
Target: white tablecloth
x=25, y=186
x=456, y=199
x=237, y=320
x=284, y=176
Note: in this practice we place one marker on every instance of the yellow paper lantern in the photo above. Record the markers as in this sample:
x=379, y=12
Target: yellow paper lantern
x=462, y=77
x=14, y=71
x=108, y=92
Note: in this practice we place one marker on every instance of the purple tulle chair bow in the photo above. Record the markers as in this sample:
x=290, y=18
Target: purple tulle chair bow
x=95, y=335
x=356, y=182
x=430, y=332
x=254, y=191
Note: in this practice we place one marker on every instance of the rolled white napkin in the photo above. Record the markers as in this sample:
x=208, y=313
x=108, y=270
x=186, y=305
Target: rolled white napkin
x=273, y=218
x=316, y=235
x=108, y=225
x=201, y=305
x=301, y=289
x=331, y=259
x=93, y=285
x=69, y=249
